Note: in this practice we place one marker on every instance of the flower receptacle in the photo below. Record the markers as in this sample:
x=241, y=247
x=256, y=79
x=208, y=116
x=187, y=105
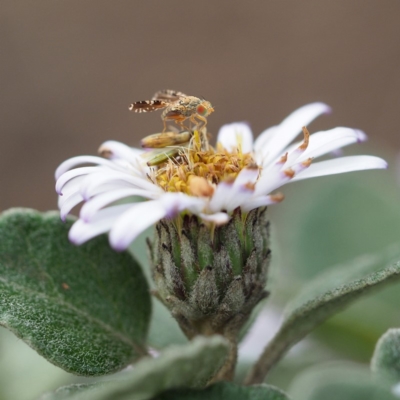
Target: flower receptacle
x=211, y=278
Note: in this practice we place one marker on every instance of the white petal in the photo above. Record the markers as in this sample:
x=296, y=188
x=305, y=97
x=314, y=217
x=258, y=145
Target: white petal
x=74, y=161
x=70, y=188
x=231, y=136
x=177, y=202
x=99, y=189
x=67, y=176
x=98, y=179
x=217, y=201
x=92, y=206
x=116, y=150
x=228, y=196
x=134, y=221
x=289, y=128
x=260, y=201
x=262, y=140
x=246, y=176
x=328, y=141
x=217, y=218
x=330, y=147
x=82, y=231
x=133, y=167
x=69, y=203
x=271, y=180
x=341, y=165
x=237, y=197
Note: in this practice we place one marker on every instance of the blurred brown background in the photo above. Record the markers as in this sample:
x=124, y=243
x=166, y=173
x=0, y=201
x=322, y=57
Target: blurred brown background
x=70, y=68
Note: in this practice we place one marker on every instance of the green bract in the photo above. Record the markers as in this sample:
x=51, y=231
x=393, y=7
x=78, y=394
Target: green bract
x=212, y=279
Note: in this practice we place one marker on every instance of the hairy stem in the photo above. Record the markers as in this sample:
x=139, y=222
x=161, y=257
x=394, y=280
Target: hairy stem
x=273, y=352
x=227, y=372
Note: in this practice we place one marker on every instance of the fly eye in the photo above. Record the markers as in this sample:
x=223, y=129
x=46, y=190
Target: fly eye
x=201, y=110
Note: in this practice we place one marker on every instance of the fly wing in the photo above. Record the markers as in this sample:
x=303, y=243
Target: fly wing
x=168, y=95
x=147, y=106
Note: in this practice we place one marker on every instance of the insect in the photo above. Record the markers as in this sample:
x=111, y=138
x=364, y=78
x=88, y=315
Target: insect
x=169, y=145
x=178, y=107
x=166, y=139
x=165, y=146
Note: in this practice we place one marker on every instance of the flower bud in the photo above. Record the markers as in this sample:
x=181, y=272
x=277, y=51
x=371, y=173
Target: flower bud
x=211, y=277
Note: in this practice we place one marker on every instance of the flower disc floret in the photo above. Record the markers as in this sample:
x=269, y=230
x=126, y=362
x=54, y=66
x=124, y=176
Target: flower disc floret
x=196, y=167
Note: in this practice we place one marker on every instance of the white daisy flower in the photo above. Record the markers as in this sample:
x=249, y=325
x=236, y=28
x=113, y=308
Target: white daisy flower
x=206, y=182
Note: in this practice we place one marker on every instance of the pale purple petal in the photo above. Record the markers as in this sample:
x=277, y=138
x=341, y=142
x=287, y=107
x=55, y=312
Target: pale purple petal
x=235, y=135
x=74, y=161
x=134, y=221
x=82, y=231
x=341, y=165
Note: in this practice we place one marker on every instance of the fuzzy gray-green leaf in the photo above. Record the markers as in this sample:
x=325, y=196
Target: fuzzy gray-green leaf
x=386, y=359
x=78, y=391
x=190, y=365
x=225, y=391
x=328, y=294
x=86, y=309
x=338, y=381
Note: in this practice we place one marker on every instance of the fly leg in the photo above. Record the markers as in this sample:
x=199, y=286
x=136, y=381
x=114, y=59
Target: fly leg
x=202, y=119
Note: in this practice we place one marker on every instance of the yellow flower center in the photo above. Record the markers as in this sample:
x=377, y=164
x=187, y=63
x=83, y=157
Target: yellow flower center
x=198, y=167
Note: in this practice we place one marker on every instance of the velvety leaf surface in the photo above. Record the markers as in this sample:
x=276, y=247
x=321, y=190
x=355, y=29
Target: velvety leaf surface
x=326, y=295
x=79, y=391
x=225, y=391
x=86, y=309
x=329, y=220
x=338, y=381
x=24, y=374
x=190, y=365
x=386, y=359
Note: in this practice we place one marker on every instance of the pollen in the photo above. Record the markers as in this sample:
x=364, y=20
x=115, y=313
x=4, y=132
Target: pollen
x=284, y=158
x=198, y=168
x=278, y=197
x=306, y=139
x=289, y=173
